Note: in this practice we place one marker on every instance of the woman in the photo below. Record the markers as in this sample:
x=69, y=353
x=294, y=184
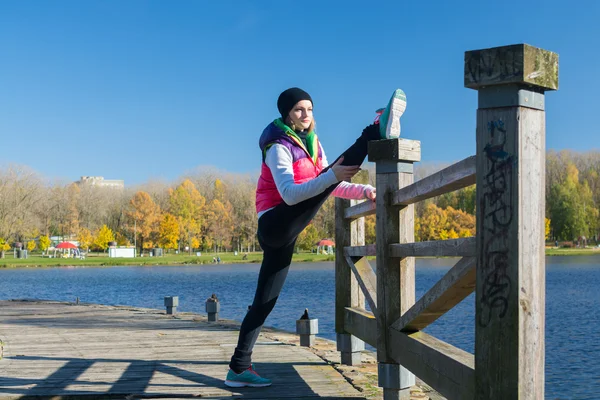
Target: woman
x=295, y=181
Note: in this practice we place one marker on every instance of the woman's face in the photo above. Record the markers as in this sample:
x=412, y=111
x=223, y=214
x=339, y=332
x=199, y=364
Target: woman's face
x=302, y=114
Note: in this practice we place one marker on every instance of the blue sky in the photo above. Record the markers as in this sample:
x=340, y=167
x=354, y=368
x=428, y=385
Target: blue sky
x=138, y=90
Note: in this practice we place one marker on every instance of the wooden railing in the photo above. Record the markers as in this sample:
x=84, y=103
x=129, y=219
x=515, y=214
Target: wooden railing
x=504, y=264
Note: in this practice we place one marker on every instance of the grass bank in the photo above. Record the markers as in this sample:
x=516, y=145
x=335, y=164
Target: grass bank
x=94, y=260
x=590, y=251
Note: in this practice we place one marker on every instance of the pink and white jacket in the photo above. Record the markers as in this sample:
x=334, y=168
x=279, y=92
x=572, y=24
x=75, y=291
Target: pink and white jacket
x=290, y=174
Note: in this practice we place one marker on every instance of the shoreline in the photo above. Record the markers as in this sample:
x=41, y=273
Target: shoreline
x=183, y=260
x=37, y=261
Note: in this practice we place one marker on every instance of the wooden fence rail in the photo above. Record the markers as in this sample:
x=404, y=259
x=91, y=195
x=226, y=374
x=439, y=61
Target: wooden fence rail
x=503, y=264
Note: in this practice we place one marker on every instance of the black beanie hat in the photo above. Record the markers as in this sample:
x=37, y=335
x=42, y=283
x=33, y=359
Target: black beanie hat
x=288, y=99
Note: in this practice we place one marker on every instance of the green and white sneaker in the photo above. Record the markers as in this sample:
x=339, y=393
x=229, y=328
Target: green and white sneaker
x=248, y=378
x=389, y=117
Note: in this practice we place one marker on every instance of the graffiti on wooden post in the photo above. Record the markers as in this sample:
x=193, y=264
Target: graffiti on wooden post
x=497, y=212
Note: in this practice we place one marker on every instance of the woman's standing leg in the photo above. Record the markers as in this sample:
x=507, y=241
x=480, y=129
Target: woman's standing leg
x=273, y=271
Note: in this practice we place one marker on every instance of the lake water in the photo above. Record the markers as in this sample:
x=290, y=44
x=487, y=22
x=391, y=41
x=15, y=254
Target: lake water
x=572, y=302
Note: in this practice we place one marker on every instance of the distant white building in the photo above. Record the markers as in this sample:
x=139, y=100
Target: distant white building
x=101, y=182
x=121, y=252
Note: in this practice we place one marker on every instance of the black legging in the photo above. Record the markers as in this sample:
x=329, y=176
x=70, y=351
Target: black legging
x=278, y=230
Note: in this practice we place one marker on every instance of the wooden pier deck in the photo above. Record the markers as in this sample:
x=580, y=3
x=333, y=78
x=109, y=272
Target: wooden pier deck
x=53, y=350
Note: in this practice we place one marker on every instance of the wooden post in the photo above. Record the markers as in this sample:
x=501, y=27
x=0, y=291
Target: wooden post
x=347, y=290
x=395, y=276
x=510, y=290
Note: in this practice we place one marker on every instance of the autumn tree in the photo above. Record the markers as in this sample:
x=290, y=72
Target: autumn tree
x=571, y=207
x=144, y=218
x=308, y=238
x=370, y=234
x=64, y=200
x=31, y=245
x=96, y=204
x=102, y=237
x=207, y=242
x=432, y=222
x=168, y=232
x=442, y=224
x=122, y=239
x=195, y=243
x=19, y=193
x=241, y=195
x=187, y=204
x=460, y=223
x=158, y=191
x=219, y=191
x=4, y=247
x=70, y=224
x=219, y=223
x=324, y=220
x=44, y=242
x=85, y=238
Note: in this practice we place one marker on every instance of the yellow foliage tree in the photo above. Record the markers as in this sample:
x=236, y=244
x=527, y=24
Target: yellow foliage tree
x=547, y=228
x=443, y=224
x=143, y=218
x=207, y=242
x=308, y=238
x=219, y=191
x=44, y=242
x=103, y=236
x=121, y=239
x=370, y=229
x=85, y=238
x=4, y=246
x=31, y=245
x=219, y=221
x=434, y=220
x=443, y=234
x=187, y=204
x=462, y=223
x=195, y=243
x=168, y=232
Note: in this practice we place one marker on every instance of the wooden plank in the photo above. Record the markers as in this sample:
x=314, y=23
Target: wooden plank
x=360, y=210
x=447, y=369
x=347, y=291
x=510, y=290
x=394, y=150
x=360, y=251
x=361, y=324
x=457, y=284
x=463, y=247
x=366, y=279
x=454, y=177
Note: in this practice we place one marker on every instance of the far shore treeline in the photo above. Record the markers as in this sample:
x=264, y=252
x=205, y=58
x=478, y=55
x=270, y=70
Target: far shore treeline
x=212, y=210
